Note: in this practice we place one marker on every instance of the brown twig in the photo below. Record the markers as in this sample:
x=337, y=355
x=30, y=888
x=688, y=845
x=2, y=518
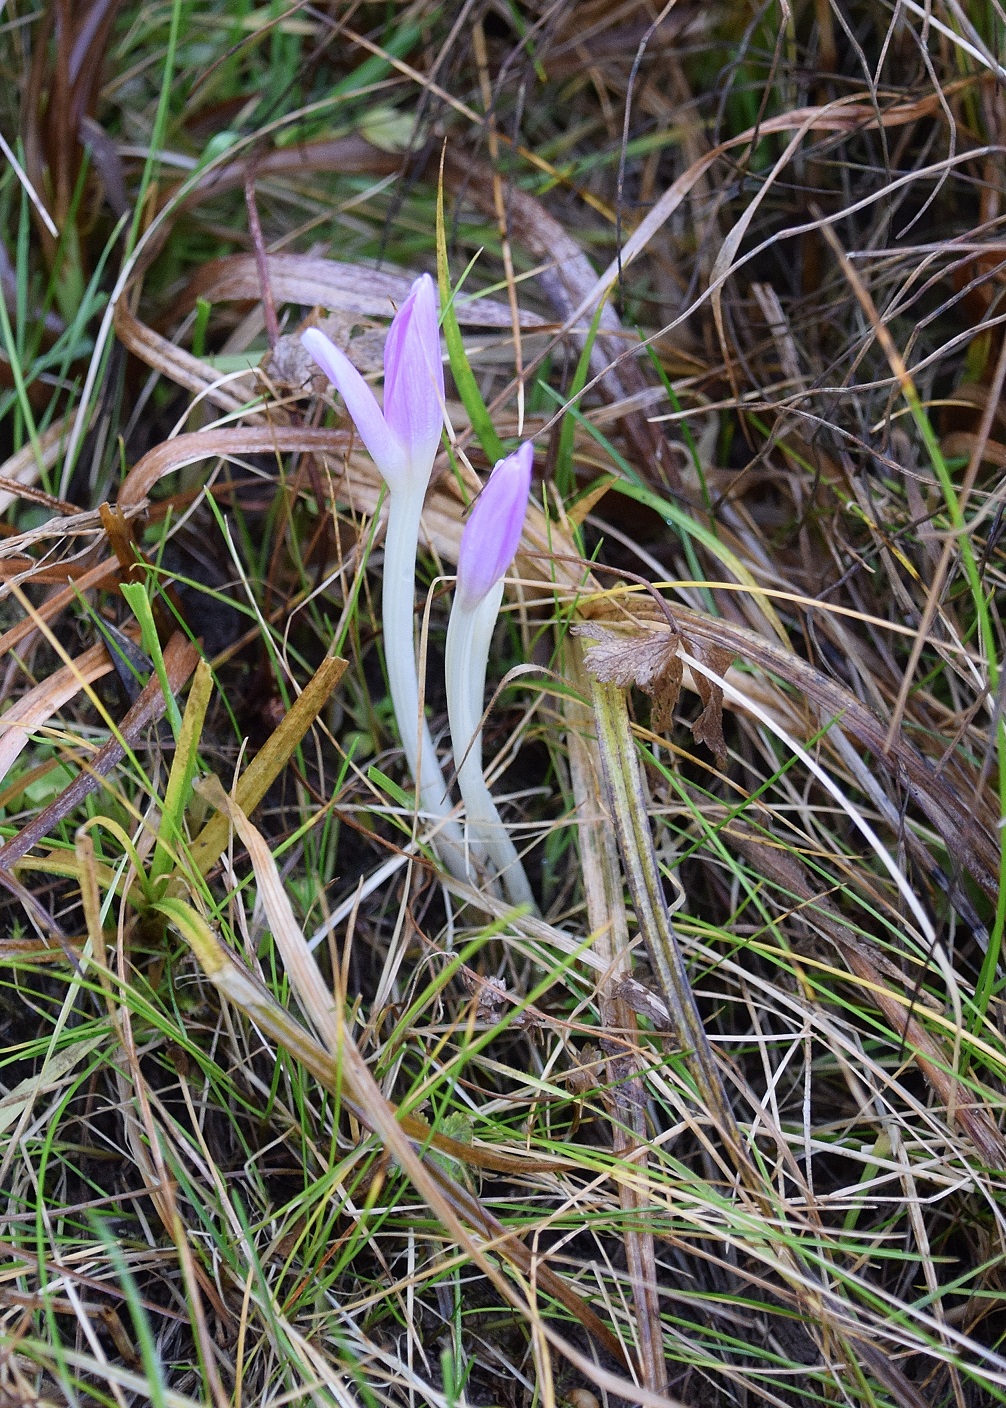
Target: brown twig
x=261, y=259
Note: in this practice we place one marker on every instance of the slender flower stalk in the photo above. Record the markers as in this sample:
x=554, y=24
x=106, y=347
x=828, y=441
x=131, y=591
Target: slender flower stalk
x=403, y=440
x=488, y=544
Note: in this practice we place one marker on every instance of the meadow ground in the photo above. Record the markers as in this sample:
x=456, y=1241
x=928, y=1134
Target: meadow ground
x=289, y=1113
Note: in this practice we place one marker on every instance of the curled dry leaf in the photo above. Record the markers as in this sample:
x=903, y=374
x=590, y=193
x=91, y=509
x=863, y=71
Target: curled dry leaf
x=708, y=727
x=180, y=366
x=492, y=998
x=962, y=443
x=25, y=466
x=354, y=290
x=651, y=661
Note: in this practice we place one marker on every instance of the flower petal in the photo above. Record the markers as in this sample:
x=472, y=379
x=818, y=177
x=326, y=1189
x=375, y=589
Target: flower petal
x=492, y=534
x=385, y=448
x=414, y=377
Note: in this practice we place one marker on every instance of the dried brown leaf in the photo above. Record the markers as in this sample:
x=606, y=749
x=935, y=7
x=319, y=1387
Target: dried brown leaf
x=650, y=661
x=27, y=464
x=708, y=727
x=353, y=289
x=962, y=444
x=174, y=362
x=102, y=574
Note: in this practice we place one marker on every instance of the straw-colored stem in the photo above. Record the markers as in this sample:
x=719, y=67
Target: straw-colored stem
x=398, y=605
x=469, y=635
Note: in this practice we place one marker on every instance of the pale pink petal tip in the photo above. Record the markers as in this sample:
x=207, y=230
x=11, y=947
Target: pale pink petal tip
x=414, y=377
x=386, y=450
x=491, y=536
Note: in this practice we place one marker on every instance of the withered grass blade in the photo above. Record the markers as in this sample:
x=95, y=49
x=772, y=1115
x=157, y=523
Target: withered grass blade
x=343, y=1072
x=608, y=922
x=180, y=657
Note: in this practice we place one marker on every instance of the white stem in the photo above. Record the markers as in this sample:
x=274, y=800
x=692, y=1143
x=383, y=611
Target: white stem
x=398, y=605
x=469, y=635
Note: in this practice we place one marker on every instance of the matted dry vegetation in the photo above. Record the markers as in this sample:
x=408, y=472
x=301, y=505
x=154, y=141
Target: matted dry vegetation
x=289, y=1115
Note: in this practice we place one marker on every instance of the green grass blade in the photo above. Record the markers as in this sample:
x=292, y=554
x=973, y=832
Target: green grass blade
x=464, y=377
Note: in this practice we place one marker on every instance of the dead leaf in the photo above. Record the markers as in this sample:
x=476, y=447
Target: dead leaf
x=493, y=997
x=650, y=661
x=708, y=727
x=355, y=291
x=290, y=365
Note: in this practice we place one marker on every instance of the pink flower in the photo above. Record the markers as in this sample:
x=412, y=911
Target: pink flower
x=403, y=439
x=492, y=534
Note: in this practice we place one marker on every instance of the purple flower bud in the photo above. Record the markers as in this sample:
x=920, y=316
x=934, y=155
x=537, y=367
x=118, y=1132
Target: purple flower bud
x=386, y=450
x=404, y=437
x=414, y=375
x=492, y=534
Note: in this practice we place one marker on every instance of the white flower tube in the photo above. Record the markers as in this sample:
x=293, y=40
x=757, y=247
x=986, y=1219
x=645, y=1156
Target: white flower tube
x=488, y=545
x=403, y=440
